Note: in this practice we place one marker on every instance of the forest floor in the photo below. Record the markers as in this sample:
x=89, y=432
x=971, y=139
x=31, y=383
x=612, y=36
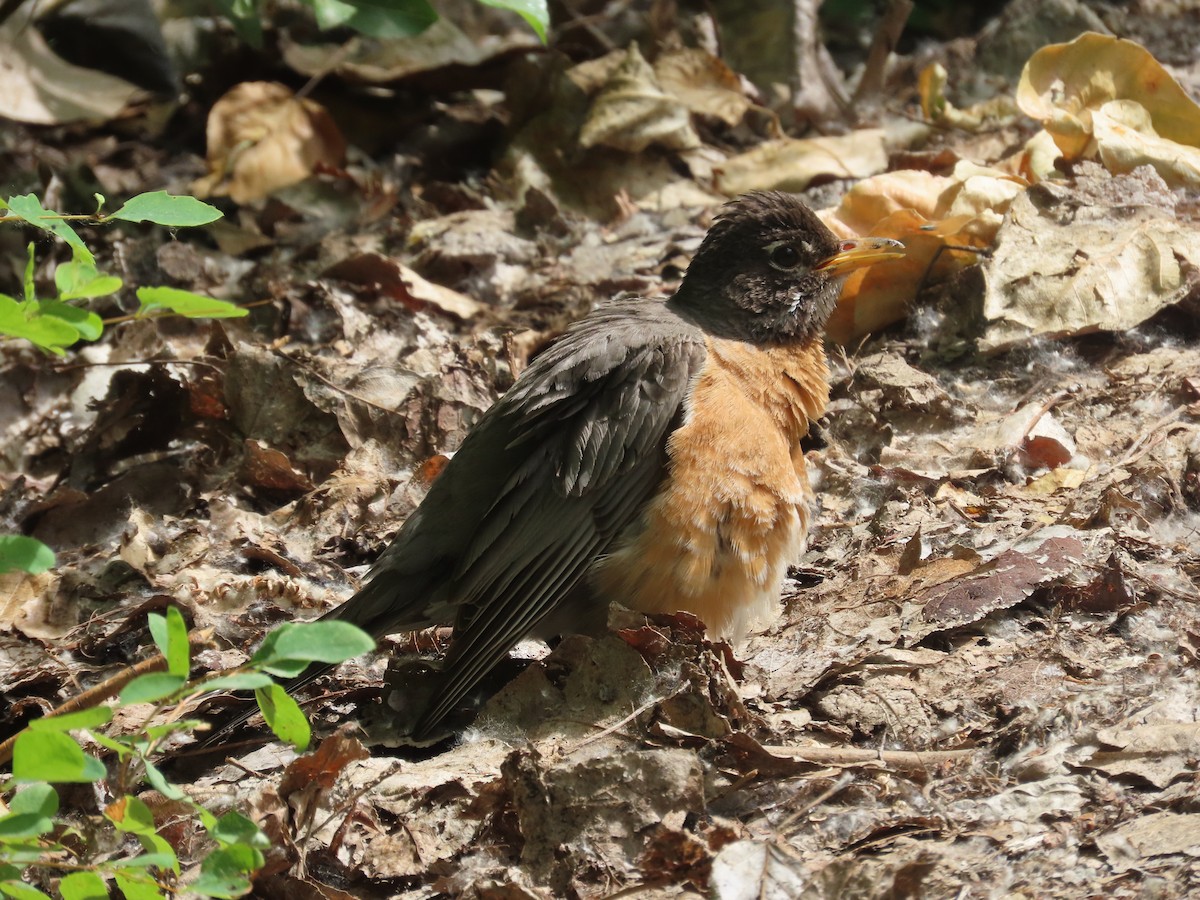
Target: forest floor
x=985, y=678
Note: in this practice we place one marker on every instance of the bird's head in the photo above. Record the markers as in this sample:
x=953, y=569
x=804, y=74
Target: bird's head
x=770, y=271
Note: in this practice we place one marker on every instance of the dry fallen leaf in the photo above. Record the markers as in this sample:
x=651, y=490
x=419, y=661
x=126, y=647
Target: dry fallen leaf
x=939, y=219
x=632, y=111
x=1064, y=266
x=703, y=83
x=791, y=165
x=262, y=138
x=1064, y=85
x=1126, y=139
x=38, y=86
x=402, y=284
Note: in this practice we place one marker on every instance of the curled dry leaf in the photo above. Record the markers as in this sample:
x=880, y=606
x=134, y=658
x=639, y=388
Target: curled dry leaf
x=988, y=114
x=262, y=138
x=1126, y=139
x=38, y=86
x=940, y=220
x=632, y=111
x=1064, y=86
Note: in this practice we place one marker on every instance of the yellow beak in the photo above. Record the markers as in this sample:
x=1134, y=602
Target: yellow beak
x=859, y=252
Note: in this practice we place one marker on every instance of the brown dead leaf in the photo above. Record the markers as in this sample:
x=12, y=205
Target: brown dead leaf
x=443, y=44
x=321, y=768
x=1126, y=139
x=1064, y=85
x=703, y=83
x=792, y=165
x=267, y=468
x=1000, y=583
x=262, y=138
x=632, y=111
x=403, y=284
x=38, y=86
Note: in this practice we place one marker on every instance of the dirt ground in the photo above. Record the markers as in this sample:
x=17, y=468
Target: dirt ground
x=983, y=680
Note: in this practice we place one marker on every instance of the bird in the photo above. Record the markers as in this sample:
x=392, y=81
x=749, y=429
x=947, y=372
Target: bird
x=650, y=456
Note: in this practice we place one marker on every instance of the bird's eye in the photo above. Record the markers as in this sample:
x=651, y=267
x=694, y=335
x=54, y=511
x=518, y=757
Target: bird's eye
x=784, y=256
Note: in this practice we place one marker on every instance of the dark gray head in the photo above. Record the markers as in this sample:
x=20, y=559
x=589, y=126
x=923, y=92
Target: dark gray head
x=769, y=271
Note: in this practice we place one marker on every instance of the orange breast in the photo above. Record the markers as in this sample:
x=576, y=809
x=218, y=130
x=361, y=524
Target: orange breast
x=717, y=538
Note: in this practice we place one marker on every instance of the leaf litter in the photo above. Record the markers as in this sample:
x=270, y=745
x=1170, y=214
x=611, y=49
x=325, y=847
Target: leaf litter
x=983, y=682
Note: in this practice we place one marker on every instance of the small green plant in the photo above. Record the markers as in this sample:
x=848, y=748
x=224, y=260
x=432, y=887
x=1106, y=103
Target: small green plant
x=24, y=554
x=59, y=322
x=36, y=845
x=374, y=18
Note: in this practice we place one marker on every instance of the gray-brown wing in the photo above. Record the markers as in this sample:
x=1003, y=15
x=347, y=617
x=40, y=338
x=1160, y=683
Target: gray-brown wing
x=538, y=490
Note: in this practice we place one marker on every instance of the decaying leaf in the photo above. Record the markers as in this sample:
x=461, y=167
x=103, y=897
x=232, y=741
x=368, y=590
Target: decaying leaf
x=1000, y=583
x=632, y=111
x=1126, y=139
x=441, y=45
x=1065, y=86
x=403, y=284
x=262, y=138
x=1066, y=265
x=703, y=83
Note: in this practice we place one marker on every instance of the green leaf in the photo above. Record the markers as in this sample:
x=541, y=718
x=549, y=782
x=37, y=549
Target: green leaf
x=25, y=321
x=160, y=854
x=151, y=688
x=83, y=886
x=21, y=891
x=283, y=716
x=29, y=208
x=52, y=756
x=155, y=732
x=24, y=554
x=535, y=12
x=171, y=637
x=162, y=208
x=234, y=828
x=185, y=303
x=242, y=681
x=29, y=812
x=329, y=642
x=226, y=872
x=375, y=18
x=38, y=797
x=30, y=288
x=81, y=718
x=86, y=323
x=78, y=280
x=138, y=886
x=131, y=815
x=164, y=860
x=159, y=782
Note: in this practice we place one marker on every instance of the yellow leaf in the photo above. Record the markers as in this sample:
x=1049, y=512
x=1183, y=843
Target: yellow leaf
x=1062, y=85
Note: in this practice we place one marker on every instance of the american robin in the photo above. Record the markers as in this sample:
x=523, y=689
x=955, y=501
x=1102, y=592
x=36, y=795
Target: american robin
x=650, y=456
